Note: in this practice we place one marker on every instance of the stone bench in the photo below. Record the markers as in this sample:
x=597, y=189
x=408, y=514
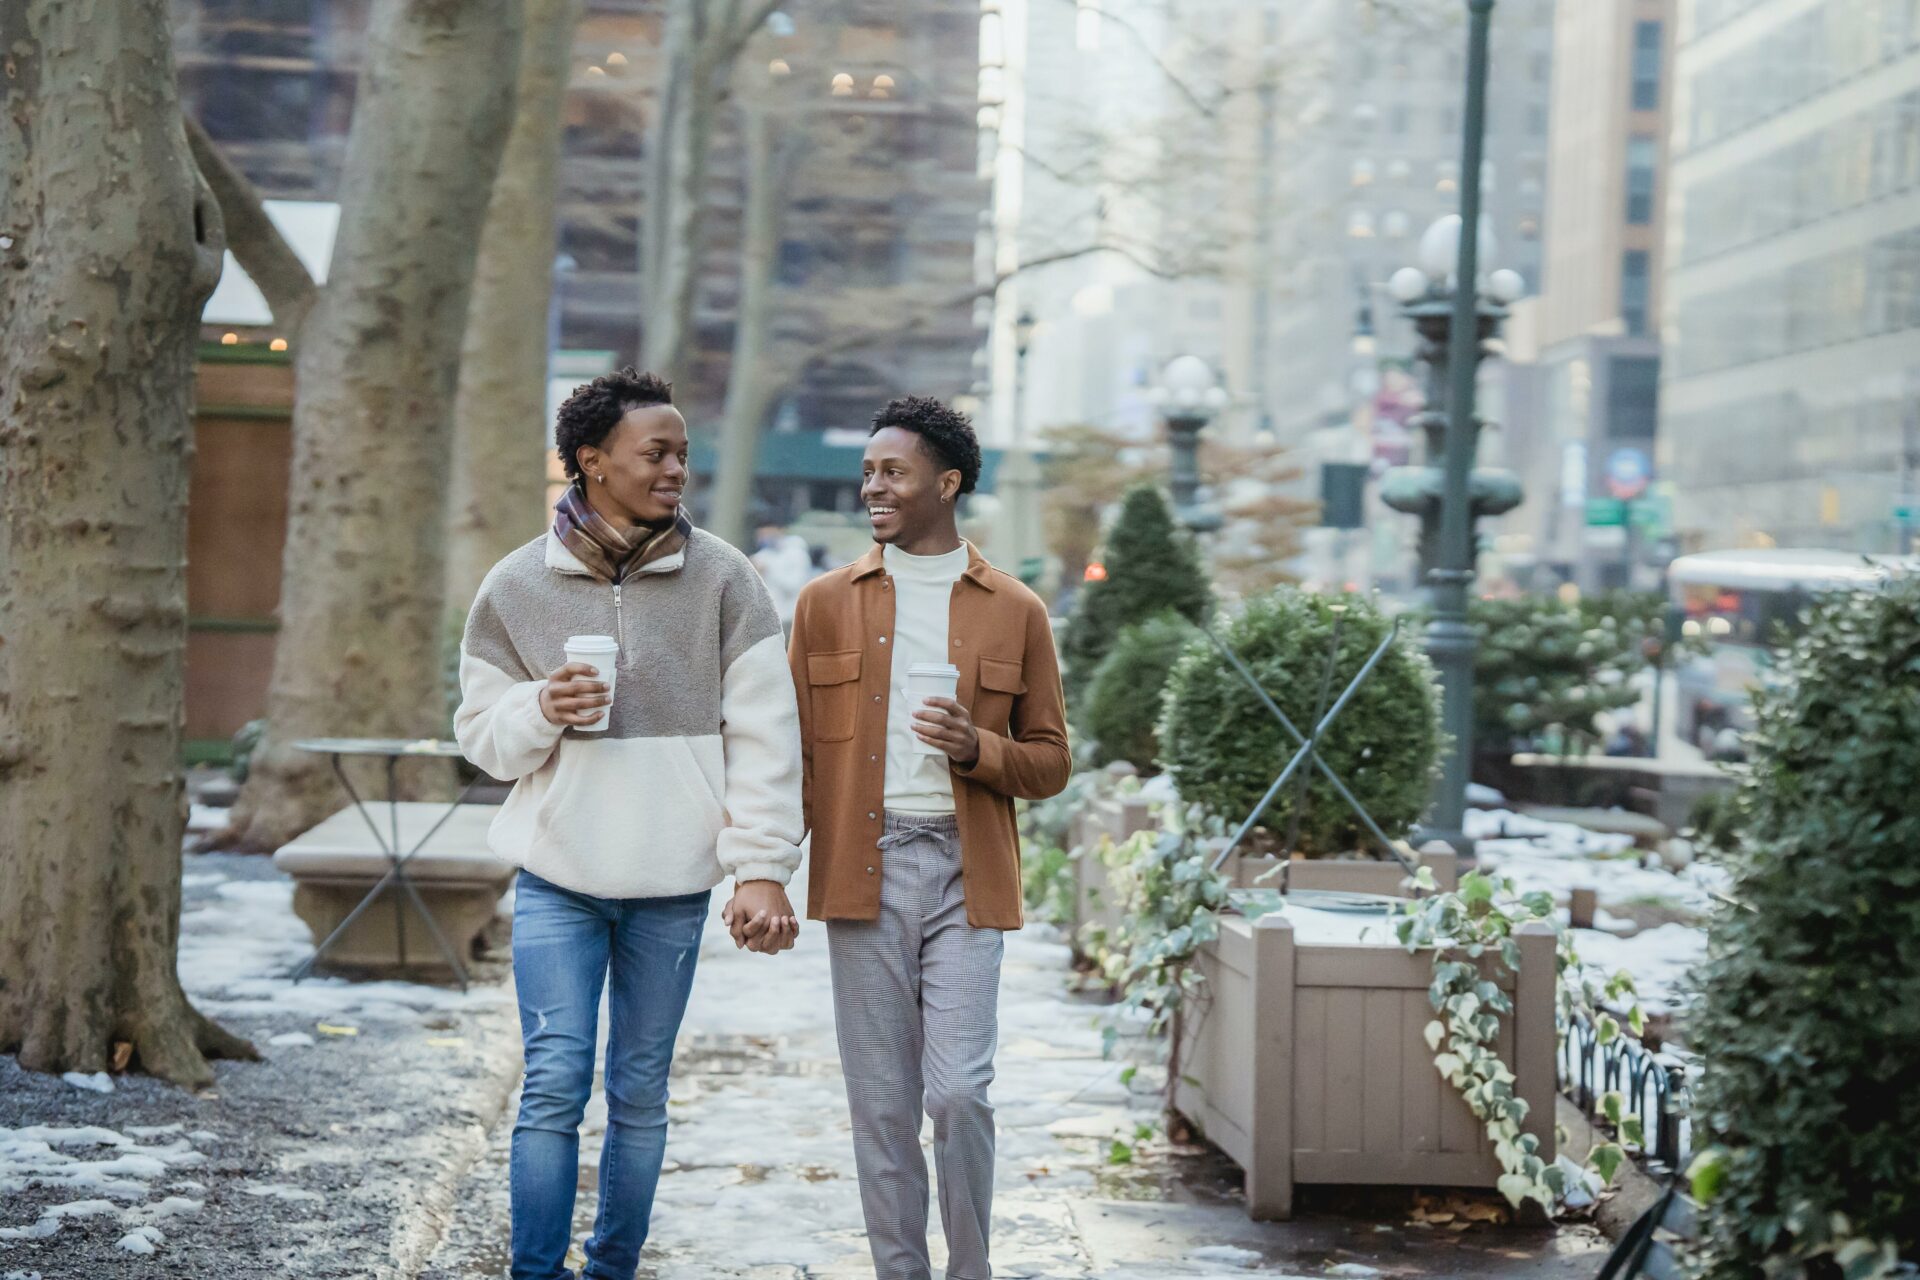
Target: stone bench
x=337, y=863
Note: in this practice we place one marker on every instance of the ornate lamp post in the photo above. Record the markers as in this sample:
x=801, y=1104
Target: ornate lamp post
x=1444, y=298
x=1189, y=397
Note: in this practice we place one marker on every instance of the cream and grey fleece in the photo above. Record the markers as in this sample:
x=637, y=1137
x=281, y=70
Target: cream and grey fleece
x=697, y=775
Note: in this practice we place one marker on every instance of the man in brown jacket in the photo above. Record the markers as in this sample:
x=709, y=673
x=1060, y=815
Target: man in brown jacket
x=916, y=860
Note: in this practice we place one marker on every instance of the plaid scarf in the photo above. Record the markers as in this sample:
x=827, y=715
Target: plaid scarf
x=611, y=554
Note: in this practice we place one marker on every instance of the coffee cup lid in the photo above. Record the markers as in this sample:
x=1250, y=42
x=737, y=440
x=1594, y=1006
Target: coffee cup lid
x=934, y=669
x=592, y=642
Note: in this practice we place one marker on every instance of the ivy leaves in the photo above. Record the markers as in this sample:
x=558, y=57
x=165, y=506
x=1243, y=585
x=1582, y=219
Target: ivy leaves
x=1465, y=930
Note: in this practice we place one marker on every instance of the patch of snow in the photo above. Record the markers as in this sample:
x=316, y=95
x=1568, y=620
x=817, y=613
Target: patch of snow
x=1659, y=959
x=142, y=1240
x=154, y=1130
x=290, y=1039
x=1229, y=1254
x=80, y=1209
x=98, y=1082
x=281, y=1191
x=205, y=817
x=1353, y=1270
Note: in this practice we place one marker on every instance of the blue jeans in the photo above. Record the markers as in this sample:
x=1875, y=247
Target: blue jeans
x=565, y=944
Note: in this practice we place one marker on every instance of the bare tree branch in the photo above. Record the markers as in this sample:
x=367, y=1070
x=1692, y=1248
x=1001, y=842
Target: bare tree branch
x=1174, y=78
x=257, y=245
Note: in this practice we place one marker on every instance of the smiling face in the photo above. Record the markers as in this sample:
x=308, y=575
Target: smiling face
x=908, y=496
x=638, y=474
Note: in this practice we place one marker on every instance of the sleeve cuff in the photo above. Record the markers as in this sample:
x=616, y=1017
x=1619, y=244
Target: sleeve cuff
x=986, y=766
x=773, y=871
x=541, y=731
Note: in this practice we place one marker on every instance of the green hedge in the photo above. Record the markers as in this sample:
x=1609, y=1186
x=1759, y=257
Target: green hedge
x=1224, y=748
x=1122, y=704
x=1809, y=1018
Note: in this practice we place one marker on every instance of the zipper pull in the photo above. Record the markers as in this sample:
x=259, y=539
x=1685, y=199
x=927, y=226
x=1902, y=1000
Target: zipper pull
x=619, y=624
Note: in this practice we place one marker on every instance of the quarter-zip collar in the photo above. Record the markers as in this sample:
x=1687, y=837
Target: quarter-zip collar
x=562, y=560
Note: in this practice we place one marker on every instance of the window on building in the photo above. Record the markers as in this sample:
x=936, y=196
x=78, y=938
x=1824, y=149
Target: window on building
x=1633, y=397
x=1646, y=65
x=1635, y=285
x=1643, y=154
x=1400, y=118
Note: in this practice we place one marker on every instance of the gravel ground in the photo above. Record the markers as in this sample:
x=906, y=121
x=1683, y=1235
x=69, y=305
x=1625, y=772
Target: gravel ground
x=324, y=1160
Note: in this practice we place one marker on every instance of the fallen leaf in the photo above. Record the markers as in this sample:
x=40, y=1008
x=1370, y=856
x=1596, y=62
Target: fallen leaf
x=122, y=1055
x=329, y=1029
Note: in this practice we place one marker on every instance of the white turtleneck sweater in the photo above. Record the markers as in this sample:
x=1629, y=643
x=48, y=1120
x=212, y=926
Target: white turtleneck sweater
x=923, y=595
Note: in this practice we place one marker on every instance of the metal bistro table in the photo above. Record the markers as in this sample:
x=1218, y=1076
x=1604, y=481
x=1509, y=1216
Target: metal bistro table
x=393, y=751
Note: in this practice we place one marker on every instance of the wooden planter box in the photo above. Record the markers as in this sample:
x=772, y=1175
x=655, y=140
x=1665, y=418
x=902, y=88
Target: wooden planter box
x=1305, y=1059
x=1344, y=875
x=1095, y=902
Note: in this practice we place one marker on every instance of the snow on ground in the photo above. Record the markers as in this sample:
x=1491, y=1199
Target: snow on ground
x=1560, y=857
x=240, y=942
x=107, y=1171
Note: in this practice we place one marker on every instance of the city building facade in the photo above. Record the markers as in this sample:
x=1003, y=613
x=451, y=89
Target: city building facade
x=1788, y=403
x=1597, y=510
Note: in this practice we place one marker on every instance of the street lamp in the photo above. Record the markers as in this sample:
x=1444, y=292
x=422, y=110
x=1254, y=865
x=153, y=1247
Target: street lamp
x=1189, y=396
x=1455, y=313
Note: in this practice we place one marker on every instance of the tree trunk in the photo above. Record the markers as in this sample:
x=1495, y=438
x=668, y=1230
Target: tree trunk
x=677, y=140
x=109, y=245
x=359, y=651
x=753, y=379
x=499, y=496
x=701, y=42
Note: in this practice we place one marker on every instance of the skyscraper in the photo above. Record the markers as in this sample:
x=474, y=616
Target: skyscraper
x=1788, y=402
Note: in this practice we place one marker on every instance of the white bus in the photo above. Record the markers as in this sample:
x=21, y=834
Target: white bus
x=1741, y=603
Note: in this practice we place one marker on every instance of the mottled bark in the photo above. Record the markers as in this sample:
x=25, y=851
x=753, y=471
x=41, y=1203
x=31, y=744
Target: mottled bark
x=499, y=474
x=109, y=244
x=361, y=611
x=755, y=377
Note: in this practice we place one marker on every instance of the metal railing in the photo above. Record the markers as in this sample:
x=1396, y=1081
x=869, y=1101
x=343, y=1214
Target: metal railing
x=1653, y=1084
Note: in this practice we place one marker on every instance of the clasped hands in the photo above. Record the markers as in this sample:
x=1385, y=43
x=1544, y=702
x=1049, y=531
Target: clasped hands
x=760, y=918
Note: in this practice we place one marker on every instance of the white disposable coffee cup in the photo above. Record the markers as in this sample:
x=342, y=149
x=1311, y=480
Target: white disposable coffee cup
x=930, y=680
x=602, y=654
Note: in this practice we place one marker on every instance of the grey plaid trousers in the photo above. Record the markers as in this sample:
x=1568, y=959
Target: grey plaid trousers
x=915, y=997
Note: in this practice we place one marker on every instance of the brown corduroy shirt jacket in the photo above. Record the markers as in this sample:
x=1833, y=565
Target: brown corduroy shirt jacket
x=999, y=637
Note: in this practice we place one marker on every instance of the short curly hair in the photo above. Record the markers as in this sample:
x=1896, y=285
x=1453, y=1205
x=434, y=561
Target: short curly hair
x=595, y=408
x=945, y=433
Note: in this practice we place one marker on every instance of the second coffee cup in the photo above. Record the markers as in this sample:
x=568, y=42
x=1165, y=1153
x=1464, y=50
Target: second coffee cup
x=930, y=680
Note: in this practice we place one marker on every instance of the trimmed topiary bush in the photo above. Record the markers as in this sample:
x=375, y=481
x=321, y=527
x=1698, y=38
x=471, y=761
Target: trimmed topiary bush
x=1122, y=704
x=1152, y=568
x=1809, y=1018
x=1224, y=748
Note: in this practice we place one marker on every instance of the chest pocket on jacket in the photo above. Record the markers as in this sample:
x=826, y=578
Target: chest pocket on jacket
x=833, y=694
x=1000, y=682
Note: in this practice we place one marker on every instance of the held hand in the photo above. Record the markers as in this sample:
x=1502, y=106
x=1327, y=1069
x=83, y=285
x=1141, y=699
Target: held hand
x=760, y=918
x=573, y=696
x=944, y=723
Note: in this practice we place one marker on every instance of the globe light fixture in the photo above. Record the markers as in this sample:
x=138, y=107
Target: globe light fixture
x=1408, y=284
